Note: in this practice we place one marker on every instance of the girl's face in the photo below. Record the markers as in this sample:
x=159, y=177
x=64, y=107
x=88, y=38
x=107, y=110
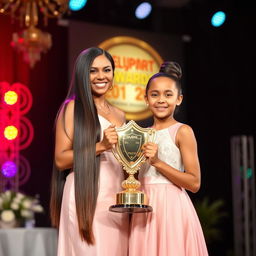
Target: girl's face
x=101, y=75
x=162, y=97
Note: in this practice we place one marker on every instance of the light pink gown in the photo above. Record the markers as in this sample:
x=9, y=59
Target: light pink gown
x=110, y=229
x=173, y=228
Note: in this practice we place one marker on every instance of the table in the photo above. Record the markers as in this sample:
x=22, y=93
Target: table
x=28, y=242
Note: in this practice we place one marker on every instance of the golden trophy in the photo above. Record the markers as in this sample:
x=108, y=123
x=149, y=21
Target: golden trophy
x=128, y=152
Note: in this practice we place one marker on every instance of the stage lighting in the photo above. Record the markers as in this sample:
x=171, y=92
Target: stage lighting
x=76, y=5
x=10, y=97
x=10, y=132
x=218, y=19
x=143, y=10
x=9, y=169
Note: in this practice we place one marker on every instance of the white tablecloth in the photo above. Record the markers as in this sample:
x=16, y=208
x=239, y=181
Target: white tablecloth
x=28, y=242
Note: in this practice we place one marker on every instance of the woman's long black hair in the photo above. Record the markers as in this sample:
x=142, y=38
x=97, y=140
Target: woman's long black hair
x=87, y=132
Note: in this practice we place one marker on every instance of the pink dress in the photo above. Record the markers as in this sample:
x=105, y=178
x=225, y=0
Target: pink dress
x=110, y=229
x=173, y=228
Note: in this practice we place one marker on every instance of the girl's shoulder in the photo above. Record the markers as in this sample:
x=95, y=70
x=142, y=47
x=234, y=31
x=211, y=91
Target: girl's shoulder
x=178, y=127
x=184, y=132
x=184, y=128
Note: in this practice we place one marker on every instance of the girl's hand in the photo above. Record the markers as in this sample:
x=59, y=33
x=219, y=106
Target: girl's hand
x=109, y=137
x=150, y=151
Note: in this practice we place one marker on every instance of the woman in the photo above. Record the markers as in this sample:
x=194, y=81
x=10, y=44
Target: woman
x=85, y=134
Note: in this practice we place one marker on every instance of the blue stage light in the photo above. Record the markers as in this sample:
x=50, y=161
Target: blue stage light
x=143, y=10
x=76, y=5
x=218, y=19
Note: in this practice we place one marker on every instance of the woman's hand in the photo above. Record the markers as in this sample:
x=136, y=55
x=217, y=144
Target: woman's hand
x=150, y=150
x=109, y=137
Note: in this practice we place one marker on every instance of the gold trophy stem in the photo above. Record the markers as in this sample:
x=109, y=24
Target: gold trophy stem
x=132, y=196
x=131, y=184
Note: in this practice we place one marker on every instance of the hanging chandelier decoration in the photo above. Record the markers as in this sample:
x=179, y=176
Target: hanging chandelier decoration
x=32, y=41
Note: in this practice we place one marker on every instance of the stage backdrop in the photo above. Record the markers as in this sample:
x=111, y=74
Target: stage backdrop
x=133, y=45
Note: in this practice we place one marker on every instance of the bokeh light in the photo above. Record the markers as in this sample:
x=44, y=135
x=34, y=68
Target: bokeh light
x=10, y=97
x=218, y=19
x=76, y=5
x=143, y=10
x=10, y=132
x=9, y=169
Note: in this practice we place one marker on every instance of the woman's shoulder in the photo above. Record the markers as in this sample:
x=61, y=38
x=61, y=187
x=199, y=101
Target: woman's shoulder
x=67, y=108
x=119, y=113
x=70, y=103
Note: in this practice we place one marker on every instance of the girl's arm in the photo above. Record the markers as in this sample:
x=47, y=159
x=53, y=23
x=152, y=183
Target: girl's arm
x=190, y=179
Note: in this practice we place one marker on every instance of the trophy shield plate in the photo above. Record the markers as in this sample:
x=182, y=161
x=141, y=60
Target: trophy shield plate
x=128, y=151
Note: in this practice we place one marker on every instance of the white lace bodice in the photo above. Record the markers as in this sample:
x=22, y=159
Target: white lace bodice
x=167, y=152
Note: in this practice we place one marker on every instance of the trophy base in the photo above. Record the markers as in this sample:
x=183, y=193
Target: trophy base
x=131, y=198
x=130, y=208
x=131, y=201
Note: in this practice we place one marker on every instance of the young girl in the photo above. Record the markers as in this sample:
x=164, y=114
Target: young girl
x=173, y=228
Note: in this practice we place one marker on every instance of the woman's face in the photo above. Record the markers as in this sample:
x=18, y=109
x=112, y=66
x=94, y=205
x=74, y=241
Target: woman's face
x=101, y=75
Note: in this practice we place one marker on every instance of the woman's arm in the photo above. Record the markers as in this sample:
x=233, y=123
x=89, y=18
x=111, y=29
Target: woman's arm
x=191, y=178
x=109, y=139
x=64, y=140
x=110, y=136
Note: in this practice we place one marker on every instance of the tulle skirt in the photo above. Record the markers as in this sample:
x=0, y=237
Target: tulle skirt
x=172, y=229
x=110, y=229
